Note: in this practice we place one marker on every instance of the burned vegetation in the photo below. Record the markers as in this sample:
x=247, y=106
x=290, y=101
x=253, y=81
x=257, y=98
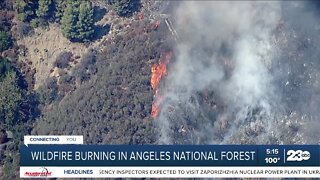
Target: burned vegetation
x=254, y=81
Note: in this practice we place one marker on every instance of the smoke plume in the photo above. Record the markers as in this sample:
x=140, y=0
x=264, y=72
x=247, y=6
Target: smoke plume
x=243, y=73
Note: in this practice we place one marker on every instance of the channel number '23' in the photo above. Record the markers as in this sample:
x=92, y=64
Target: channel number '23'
x=298, y=155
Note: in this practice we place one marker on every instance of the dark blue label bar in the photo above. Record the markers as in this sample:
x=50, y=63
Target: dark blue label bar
x=170, y=155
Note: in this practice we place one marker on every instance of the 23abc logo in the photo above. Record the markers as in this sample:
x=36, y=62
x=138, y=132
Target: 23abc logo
x=298, y=155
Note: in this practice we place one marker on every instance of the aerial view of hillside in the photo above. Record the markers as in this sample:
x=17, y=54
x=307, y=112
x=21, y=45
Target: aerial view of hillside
x=158, y=72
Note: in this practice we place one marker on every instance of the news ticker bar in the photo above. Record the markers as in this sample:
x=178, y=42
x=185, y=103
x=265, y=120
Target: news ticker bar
x=169, y=172
x=170, y=155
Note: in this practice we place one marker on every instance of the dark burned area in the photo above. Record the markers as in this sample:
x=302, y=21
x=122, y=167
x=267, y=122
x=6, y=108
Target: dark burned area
x=286, y=112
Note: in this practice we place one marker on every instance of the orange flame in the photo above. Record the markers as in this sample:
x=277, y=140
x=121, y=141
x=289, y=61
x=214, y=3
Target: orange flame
x=155, y=106
x=158, y=72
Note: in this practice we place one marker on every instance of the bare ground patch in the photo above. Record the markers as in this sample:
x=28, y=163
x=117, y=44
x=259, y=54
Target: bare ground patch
x=43, y=48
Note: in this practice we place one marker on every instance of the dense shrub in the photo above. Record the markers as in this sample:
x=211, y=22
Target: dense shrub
x=125, y=7
x=5, y=41
x=87, y=67
x=115, y=101
x=48, y=92
x=22, y=29
x=63, y=59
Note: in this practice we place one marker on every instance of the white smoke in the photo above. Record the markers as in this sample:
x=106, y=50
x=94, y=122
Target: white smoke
x=227, y=48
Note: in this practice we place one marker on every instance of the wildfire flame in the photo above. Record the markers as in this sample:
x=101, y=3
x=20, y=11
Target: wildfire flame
x=158, y=71
x=155, y=106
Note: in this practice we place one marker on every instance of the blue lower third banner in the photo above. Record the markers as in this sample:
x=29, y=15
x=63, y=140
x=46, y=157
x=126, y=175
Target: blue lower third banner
x=169, y=161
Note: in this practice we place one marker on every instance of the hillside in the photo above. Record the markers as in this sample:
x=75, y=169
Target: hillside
x=98, y=86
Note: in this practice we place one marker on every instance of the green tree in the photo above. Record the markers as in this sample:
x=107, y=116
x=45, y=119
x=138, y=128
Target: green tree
x=17, y=108
x=45, y=8
x=68, y=22
x=85, y=21
x=25, y=9
x=11, y=99
x=77, y=21
x=20, y=6
x=126, y=7
x=4, y=68
x=5, y=41
x=59, y=7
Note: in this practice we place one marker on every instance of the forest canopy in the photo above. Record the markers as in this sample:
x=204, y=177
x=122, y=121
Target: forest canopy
x=75, y=17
